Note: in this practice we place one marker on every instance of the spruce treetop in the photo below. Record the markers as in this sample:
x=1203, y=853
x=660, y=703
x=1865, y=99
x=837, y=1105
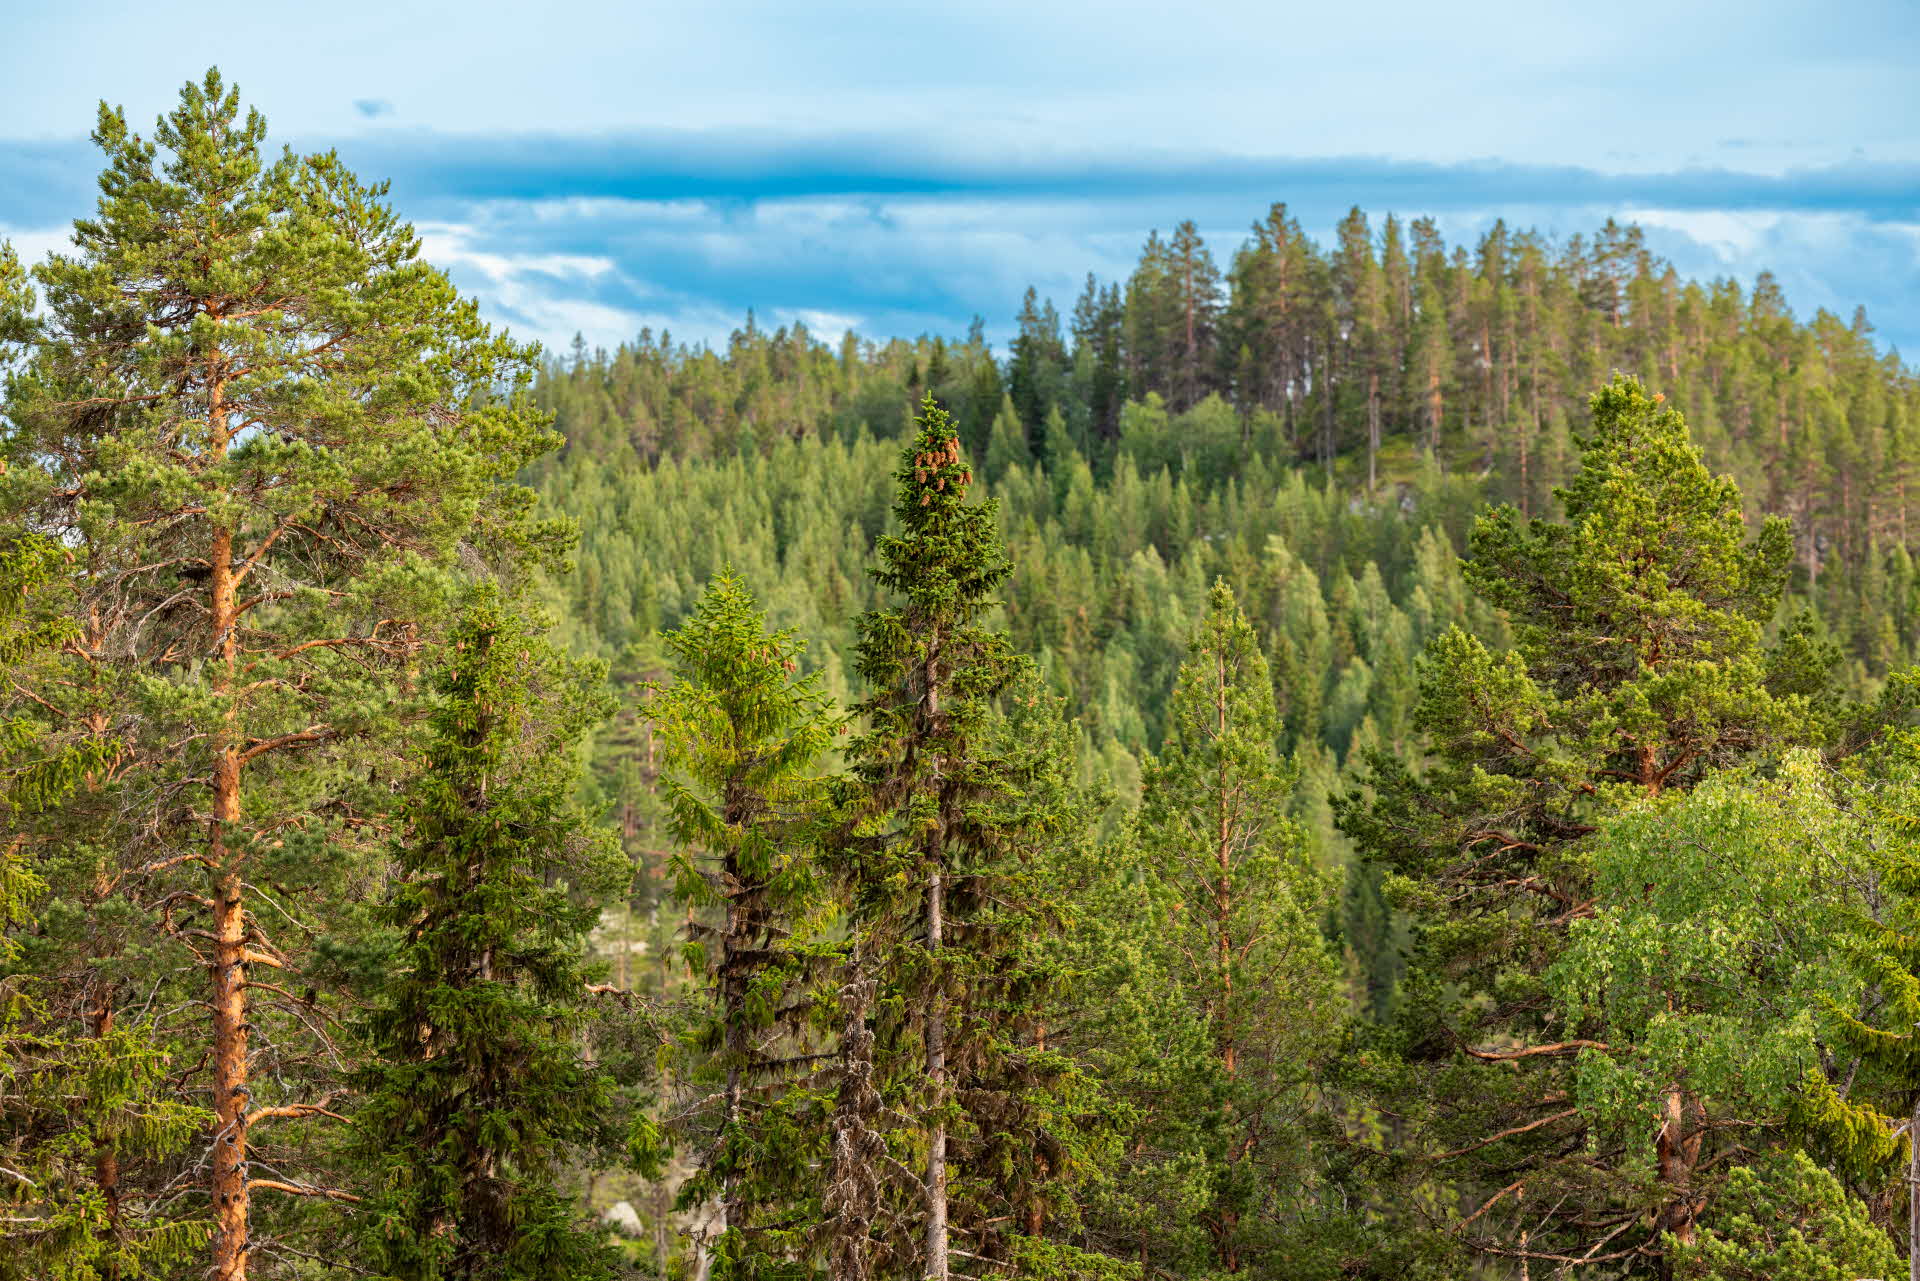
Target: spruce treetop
x=737, y=718
x=947, y=558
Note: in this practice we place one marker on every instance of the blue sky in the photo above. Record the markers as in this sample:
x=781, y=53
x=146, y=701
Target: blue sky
x=898, y=168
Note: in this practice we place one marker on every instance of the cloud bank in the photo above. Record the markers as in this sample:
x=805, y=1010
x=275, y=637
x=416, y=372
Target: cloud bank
x=685, y=230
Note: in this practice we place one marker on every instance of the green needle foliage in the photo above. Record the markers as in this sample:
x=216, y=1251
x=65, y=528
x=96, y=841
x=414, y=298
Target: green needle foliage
x=71, y=1106
x=1237, y=925
x=1786, y=1219
x=272, y=439
x=1637, y=668
x=947, y=831
x=743, y=738
x=482, y=1099
x=297, y=892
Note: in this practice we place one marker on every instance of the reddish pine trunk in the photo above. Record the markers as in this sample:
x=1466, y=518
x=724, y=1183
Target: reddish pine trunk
x=231, y=1031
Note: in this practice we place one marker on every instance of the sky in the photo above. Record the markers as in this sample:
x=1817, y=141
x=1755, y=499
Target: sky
x=900, y=168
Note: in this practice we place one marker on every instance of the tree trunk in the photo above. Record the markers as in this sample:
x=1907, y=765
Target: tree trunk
x=736, y=1051
x=937, y=1080
x=106, y=1162
x=1326, y=401
x=1675, y=1151
x=937, y=1258
x=1373, y=430
x=231, y=1031
x=851, y=1199
x=1435, y=408
x=733, y=1000
x=1913, y=1193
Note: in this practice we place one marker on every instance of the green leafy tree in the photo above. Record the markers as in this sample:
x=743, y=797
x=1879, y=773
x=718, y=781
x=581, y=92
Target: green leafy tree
x=1750, y=876
x=482, y=1097
x=1861, y=1097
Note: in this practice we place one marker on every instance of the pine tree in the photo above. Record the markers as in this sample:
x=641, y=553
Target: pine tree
x=483, y=1098
x=1638, y=668
x=1036, y=370
x=743, y=738
x=1362, y=311
x=265, y=430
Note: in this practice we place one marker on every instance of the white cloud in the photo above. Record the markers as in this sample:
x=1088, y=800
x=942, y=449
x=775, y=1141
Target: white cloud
x=34, y=243
x=828, y=326
x=449, y=244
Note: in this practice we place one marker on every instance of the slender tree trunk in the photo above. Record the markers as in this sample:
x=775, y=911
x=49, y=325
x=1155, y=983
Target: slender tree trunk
x=231, y=1031
x=851, y=1200
x=662, y=1230
x=1435, y=408
x=1190, y=379
x=1373, y=430
x=106, y=1162
x=733, y=997
x=1036, y=1217
x=1913, y=1193
x=1675, y=1150
x=1533, y=395
x=1326, y=401
x=937, y=1080
x=937, y=1257
x=1486, y=373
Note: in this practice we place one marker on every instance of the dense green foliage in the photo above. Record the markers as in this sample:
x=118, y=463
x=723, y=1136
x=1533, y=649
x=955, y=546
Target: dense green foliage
x=1071, y=815
x=744, y=736
x=480, y=1097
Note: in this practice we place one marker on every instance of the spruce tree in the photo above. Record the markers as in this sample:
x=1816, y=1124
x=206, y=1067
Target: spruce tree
x=483, y=1098
x=943, y=835
x=73, y=1108
x=743, y=738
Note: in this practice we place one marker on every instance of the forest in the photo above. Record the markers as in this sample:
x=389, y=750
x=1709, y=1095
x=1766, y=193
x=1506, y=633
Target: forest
x=1355, y=759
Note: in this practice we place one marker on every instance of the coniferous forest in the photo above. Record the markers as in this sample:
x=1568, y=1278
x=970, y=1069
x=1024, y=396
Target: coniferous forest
x=1373, y=758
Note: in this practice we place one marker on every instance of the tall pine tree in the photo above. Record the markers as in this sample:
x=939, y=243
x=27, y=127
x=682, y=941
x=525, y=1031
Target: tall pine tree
x=267, y=432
